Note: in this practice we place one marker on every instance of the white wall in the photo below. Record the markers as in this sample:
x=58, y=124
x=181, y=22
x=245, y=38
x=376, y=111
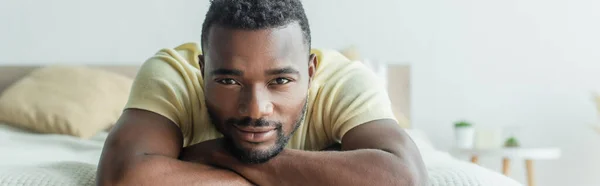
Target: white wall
x=524, y=63
x=110, y=31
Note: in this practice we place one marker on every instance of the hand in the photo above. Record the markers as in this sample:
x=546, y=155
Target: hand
x=203, y=152
x=215, y=153
x=212, y=152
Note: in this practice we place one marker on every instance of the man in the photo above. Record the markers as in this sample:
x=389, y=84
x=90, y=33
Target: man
x=225, y=116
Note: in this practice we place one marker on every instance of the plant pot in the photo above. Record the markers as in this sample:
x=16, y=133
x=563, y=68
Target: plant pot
x=464, y=137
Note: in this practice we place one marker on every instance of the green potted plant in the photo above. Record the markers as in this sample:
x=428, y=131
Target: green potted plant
x=511, y=142
x=464, y=134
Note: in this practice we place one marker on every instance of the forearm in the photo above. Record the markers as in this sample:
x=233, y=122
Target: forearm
x=357, y=167
x=161, y=170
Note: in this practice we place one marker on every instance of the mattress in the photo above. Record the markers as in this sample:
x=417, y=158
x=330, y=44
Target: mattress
x=34, y=159
x=28, y=158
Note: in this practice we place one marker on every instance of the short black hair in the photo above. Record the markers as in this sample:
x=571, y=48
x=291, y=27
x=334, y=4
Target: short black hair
x=255, y=15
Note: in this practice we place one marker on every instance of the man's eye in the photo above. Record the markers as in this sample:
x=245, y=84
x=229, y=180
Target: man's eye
x=227, y=82
x=281, y=81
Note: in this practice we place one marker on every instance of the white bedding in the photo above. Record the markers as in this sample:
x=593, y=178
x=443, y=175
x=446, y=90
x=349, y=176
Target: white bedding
x=48, y=160
x=445, y=170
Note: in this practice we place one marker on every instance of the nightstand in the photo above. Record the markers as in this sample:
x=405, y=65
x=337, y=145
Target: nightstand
x=508, y=154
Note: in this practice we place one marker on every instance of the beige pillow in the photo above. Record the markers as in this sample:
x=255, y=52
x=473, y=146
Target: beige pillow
x=70, y=100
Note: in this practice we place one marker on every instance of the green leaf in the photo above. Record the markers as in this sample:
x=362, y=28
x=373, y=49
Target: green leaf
x=462, y=124
x=511, y=142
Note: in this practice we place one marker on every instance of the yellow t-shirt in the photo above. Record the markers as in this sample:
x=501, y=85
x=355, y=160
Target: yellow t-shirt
x=343, y=95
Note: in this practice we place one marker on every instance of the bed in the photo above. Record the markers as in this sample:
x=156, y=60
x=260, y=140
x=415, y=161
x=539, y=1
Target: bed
x=38, y=159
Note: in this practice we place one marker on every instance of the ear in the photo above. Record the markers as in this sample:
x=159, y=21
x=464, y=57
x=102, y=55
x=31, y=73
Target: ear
x=312, y=66
x=201, y=63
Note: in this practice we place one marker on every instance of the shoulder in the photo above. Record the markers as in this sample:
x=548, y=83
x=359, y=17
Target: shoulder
x=169, y=83
x=174, y=65
x=185, y=54
x=345, y=94
x=166, y=82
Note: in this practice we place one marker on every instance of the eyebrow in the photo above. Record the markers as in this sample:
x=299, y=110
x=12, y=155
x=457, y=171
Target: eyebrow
x=222, y=71
x=279, y=71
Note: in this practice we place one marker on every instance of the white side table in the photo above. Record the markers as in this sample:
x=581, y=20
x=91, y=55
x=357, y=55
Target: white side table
x=527, y=154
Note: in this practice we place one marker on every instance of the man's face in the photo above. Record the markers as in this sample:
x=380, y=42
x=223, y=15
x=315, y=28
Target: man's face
x=256, y=86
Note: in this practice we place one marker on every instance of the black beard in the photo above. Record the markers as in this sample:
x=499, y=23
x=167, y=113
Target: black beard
x=257, y=157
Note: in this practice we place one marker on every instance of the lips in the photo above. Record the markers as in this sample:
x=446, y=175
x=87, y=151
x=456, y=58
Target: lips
x=254, y=129
x=255, y=134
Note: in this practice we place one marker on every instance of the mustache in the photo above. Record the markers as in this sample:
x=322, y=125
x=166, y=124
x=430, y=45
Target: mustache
x=249, y=122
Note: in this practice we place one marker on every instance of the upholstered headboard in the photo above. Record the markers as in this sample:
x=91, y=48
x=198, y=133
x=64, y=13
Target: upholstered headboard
x=398, y=83
x=399, y=90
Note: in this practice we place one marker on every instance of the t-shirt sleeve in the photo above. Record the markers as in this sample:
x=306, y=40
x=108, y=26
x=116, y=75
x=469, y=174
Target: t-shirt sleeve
x=159, y=87
x=358, y=97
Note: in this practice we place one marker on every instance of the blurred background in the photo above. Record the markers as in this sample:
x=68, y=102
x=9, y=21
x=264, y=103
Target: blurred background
x=530, y=67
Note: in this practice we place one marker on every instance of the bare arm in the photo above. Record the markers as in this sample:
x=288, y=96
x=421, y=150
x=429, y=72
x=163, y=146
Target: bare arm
x=143, y=149
x=375, y=153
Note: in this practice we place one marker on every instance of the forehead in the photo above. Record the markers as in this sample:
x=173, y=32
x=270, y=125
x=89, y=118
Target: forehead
x=274, y=45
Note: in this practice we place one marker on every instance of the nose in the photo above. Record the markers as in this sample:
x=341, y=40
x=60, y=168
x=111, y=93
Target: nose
x=255, y=103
